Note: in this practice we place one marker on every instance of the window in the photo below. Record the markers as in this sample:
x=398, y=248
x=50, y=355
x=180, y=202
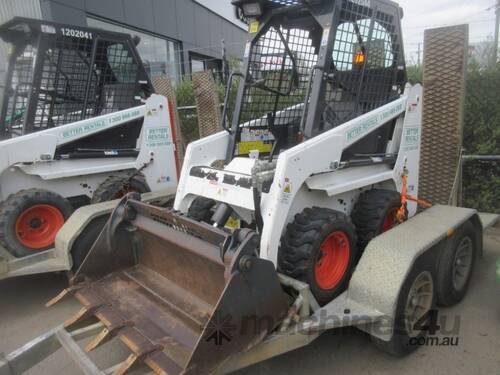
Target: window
x=351, y=45
x=160, y=56
x=197, y=65
x=200, y=63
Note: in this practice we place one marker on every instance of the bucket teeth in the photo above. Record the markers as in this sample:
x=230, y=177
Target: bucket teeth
x=113, y=323
x=127, y=365
x=104, y=336
x=82, y=315
x=67, y=292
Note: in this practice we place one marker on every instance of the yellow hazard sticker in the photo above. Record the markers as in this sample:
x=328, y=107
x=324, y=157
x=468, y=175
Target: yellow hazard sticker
x=253, y=27
x=244, y=148
x=233, y=223
x=286, y=195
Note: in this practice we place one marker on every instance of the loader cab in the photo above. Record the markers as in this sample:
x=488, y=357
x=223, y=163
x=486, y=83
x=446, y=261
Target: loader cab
x=311, y=66
x=58, y=74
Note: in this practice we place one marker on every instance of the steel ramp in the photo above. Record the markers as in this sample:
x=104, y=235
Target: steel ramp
x=181, y=295
x=35, y=351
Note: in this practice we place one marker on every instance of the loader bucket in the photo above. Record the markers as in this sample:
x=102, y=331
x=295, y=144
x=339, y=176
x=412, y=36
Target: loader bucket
x=182, y=295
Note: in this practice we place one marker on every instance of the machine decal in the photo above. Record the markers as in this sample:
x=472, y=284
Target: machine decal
x=286, y=193
x=84, y=129
x=48, y=29
x=244, y=148
x=411, y=139
x=372, y=121
x=157, y=137
x=254, y=27
x=92, y=126
x=326, y=34
x=364, y=3
x=248, y=47
x=76, y=33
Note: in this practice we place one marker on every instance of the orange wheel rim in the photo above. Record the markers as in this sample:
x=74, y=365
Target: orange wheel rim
x=390, y=220
x=333, y=260
x=37, y=226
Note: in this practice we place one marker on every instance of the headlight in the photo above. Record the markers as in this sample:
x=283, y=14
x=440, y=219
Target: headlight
x=252, y=9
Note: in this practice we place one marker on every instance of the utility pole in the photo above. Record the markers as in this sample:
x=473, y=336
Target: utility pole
x=225, y=63
x=497, y=24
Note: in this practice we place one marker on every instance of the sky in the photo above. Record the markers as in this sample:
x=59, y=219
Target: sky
x=423, y=14
x=420, y=15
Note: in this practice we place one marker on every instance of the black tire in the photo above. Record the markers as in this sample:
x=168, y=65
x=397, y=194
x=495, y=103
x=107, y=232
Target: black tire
x=402, y=342
x=201, y=209
x=452, y=287
x=300, y=251
x=85, y=240
x=370, y=212
x=115, y=187
x=55, y=211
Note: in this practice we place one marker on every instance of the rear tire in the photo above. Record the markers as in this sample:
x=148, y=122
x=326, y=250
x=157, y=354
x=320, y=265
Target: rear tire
x=374, y=213
x=319, y=248
x=201, y=209
x=456, y=264
x=31, y=219
x=116, y=187
x=417, y=292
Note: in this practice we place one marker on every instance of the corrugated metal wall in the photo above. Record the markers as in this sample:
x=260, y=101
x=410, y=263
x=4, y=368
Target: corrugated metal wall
x=9, y=9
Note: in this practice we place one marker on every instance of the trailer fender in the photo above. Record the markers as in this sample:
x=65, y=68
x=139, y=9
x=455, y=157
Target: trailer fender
x=389, y=258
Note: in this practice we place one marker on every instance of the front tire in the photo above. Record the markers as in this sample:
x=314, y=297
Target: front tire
x=31, y=219
x=319, y=248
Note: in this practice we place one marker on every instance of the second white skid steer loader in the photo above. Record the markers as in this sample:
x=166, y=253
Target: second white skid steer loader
x=300, y=217
x=78, y=124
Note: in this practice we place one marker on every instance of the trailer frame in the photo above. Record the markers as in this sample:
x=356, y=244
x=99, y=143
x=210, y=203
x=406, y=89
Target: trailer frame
x=349, y=309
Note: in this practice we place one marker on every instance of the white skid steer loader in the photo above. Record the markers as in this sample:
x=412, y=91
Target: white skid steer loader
x=300, y=217
x=74, y=130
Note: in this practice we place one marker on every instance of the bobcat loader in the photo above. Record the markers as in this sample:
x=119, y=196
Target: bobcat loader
x=299, y=217
x=79, y=123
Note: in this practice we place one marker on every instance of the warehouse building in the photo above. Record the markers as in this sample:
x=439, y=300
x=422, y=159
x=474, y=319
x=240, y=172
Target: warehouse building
x=178, y=37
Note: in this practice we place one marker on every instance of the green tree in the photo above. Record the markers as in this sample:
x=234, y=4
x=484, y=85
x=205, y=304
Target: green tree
x=414, y=73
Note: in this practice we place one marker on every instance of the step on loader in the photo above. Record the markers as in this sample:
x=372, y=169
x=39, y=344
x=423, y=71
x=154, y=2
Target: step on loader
x=300, y=216
x=79, y=123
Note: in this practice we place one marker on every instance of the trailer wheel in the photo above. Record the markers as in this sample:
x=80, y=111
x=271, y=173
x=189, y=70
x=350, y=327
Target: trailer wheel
x=201, y=209
x=415, y=301
x=456, y=263
x=375, y=213
x=30, y=220
x=116, y=187
x=319, y=248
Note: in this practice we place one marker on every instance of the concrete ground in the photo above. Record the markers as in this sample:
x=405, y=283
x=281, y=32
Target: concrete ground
x=23, y=317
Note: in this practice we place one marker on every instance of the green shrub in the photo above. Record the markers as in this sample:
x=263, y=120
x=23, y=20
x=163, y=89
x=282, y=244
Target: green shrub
x=481, y=180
